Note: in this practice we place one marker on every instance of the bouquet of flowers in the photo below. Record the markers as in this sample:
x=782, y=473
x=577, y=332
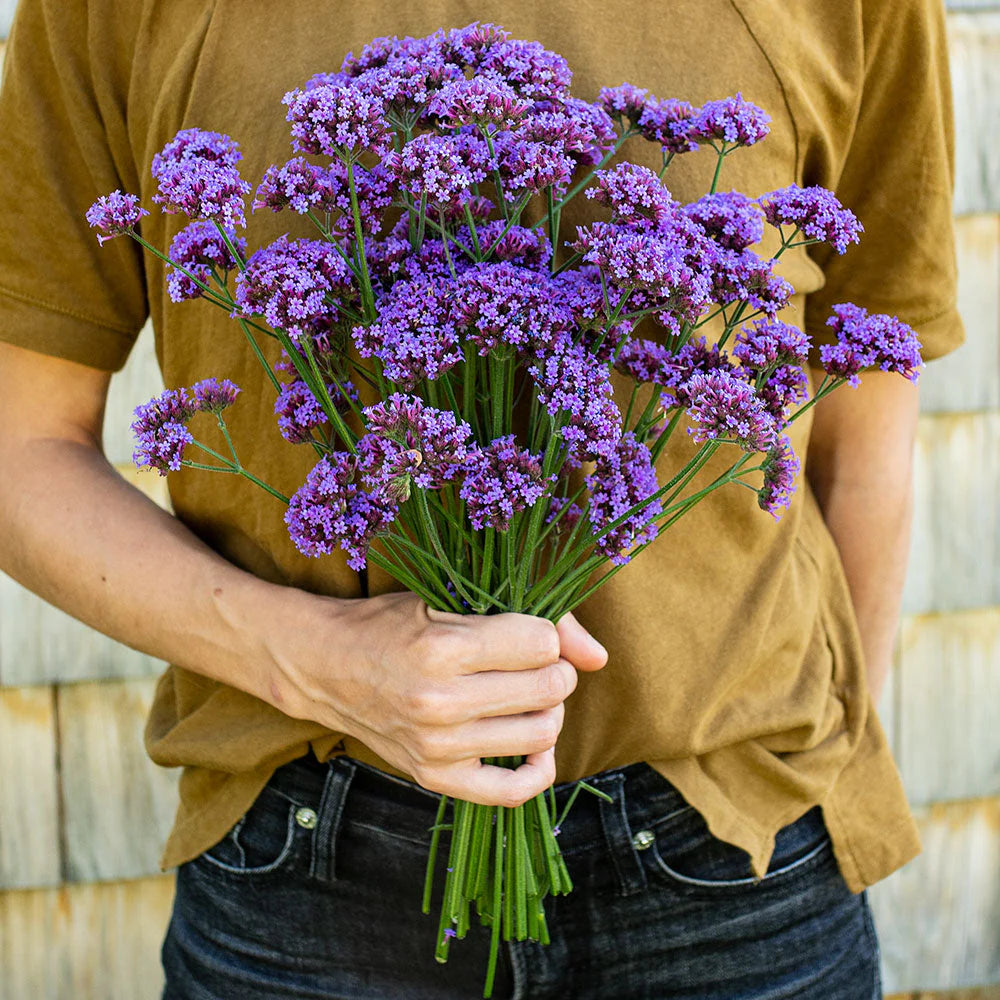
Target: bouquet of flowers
x=495, y=467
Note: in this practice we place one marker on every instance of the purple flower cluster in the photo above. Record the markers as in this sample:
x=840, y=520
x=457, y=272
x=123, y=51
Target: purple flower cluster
x=733, y=121
x=666, y=122
x=624, y=102
x=298, y=185
x=289, y=283
x=634, y=194
x=483, y=100
x=581, y=131
x=725, y=407
x=331, y=510
x=745, y=277
x=869, y=341
x=527, y=167
x=781, y=466
x=619, y=482
x=340, y=121
x=569, y=514
x=532, y=70
x=816, y=212
x=416, y=333
x=299, y=412
x=406, y=440
x=114, y=214
x=501, y=480
x=645, y=361
x=196, y=175
x=160, y=430
x=732, y=219
x=766, y=343
x=212, y=396
x=526, y=247
x=199, y=249
x=782, y=389
x=444, y=168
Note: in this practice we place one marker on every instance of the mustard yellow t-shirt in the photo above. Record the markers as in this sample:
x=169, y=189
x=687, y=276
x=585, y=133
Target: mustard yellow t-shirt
x=735, y=665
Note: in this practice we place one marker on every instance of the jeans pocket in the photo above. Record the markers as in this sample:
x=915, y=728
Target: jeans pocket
x=263, y=841
x=687, y=856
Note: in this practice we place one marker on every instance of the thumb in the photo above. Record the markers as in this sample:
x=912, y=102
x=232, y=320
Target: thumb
x=578, y=646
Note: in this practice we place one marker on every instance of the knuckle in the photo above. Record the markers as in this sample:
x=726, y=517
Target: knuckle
x=552, y=688
x=427, y=705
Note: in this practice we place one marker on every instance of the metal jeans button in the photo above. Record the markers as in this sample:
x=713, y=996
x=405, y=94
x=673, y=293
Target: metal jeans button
x=643, y=840
x=306, y=817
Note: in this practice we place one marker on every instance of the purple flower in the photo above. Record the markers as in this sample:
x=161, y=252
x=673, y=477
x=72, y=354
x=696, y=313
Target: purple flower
x=666, y=122
x=531, y=69
x=625, y=102
x=443, y=167
x=581, y=131
x=467, y=46
x=645, y=361
x=500, y=481
x=503, y=304
x=575, y=388
x=580, y=293
x=527, y=247
x=339, y=121
x=483, y=100
x=330, y=510
x=160, y=430
x=527, y=166
x=725, y=407
x=408, y=439
x=695, y=357
x=769, y=342
x=634, y=194
x=299, y=411
x=732, y=121
x=415, y=336
x=869, y=341
x=213, y=396
x=289, y=281
x=816, y=212
x=745, y=277
x=780, y=469
x=297, y=185
x=569, y=514
x=114, y=214
x=732, y=220
x=407, y=83
x=196, y=175
x=200, y=249
x=782, y=389
x=621, y=480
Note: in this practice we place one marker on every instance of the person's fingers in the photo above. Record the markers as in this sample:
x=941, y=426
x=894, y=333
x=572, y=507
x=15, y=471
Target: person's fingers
x=501, y=642
x=492, y=785
x=578, y=646
x=503, y=736
x=499, y=693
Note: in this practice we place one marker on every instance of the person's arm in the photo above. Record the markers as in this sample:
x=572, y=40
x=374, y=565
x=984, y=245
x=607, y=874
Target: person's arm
x=429, y=692
x=860, y=466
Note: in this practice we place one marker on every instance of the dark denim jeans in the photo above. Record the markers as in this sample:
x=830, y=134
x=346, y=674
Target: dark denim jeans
x=315, y=894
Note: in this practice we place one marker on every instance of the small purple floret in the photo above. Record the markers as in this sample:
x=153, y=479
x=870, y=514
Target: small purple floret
x=815, y=211
x=114, y=214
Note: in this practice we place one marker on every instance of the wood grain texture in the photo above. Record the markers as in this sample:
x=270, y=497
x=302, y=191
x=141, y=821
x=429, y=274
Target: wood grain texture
x=938, y=916
x=955, y=552
x=85, y=942
x=974, y=48
x=969, y=379
x=948, y=740
x=118, y=805
x=29, y=808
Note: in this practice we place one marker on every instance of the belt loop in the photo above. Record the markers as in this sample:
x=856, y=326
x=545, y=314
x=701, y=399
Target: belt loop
x=331, y=810
x=618, y=836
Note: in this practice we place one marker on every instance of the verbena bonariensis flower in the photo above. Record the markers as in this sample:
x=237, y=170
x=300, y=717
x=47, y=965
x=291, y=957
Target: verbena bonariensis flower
x=331, y=510
x=583, y=132
x=569, y=516
x=732, y=219
x=114, y=214
x=407, y=83
x=200, y=249
x=732, y=121
x=620, y=480
x=416, y=334
x=443, y=167
x=781, y=466
x=579, y=291
x=665, y=121
x=697, y=356
x=213, y=396
x=869, y=341
x=297, y=184
x=745, y=277
x=500, y=481
x=725, y=406
x=483, y=100
x=785, y=386
x=407, y=440
x=503, y=304
x=196, y=175
x=574, y=387
x=634, y=194
x=288, y=283
x=530, y=68
x=527, y=247
x=160, y=430
x=624, y=102
x=467, y=46
x=645, y=361
x=815, y=211
x=526, y=166
x=340, y=121
x=769, y=342
x=299, y=412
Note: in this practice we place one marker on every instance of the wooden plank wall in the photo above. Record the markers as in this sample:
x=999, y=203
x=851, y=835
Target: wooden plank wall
x=82, y=812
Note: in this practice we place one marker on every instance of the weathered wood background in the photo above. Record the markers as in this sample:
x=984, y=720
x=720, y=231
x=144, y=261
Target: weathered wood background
x=83, y=813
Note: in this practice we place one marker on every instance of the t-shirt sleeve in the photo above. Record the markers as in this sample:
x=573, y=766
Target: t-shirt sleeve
x=65, y=142
x=897, y=176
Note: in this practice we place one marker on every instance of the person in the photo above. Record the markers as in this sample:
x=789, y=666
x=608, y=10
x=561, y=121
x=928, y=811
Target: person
x=721, y=689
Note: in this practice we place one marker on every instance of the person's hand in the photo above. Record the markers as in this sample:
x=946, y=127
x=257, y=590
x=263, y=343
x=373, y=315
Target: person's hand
x=432, y=692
